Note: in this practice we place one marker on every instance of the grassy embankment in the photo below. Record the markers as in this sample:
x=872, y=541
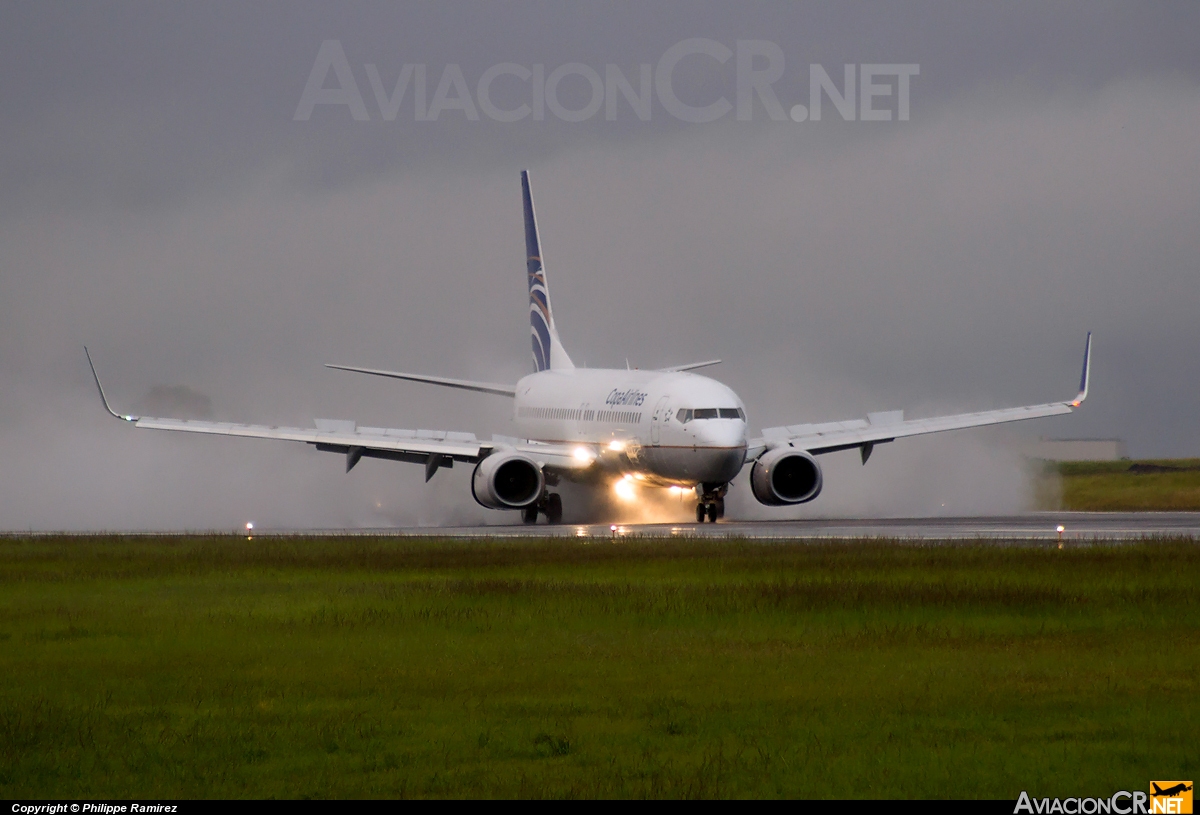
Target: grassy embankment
x=368, y=667
x=1132, y=486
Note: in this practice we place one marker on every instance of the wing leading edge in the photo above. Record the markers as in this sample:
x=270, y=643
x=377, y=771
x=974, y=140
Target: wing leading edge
x=879, y=428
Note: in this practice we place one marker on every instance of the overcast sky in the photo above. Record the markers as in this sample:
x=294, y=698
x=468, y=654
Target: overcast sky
x=167, y=198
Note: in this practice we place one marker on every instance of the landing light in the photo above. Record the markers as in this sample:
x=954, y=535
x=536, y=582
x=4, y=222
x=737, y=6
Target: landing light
x=625, y=489
x=582, y=454
x=616, y=444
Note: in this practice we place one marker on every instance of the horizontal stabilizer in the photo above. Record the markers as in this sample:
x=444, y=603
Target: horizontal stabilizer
x=691, y=366
x=463, y=384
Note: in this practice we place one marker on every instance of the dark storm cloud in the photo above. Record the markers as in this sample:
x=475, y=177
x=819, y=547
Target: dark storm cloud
x=160, y=202
x=136, y=104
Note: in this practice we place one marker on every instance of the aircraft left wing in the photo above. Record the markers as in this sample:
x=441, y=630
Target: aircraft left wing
x=879, y=428
x=433, y=448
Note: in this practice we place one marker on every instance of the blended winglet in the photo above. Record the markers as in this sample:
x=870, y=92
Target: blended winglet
x=1087, y=373
x=100, y=388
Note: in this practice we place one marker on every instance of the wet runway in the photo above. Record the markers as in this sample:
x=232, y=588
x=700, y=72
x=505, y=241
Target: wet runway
x=1033, y=526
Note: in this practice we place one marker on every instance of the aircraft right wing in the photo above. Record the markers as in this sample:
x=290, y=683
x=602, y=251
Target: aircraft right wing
x=879, y=428
x=433, y=448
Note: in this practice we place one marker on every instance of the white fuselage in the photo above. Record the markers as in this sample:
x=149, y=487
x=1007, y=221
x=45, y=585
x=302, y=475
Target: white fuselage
x=633, y=419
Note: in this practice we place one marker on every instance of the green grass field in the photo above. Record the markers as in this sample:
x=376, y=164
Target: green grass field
x=1131, y=486
x=358, y=667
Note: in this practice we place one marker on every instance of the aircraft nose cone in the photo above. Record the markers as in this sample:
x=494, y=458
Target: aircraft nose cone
x=726, y=443
x=723, y=433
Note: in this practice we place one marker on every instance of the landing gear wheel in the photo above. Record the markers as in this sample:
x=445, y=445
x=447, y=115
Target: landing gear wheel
x=712, y=513
x=529, y=514
x=720, y=505
x=700, y=513
x=554, y=508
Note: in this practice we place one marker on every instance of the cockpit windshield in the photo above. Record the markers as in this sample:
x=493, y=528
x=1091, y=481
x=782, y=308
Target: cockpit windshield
x=685, y=415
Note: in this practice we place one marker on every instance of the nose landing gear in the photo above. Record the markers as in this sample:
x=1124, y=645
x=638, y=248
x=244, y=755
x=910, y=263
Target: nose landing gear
x=712, y=504
x=712, y=510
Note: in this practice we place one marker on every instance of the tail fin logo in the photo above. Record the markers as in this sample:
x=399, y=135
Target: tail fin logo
x=539, y=315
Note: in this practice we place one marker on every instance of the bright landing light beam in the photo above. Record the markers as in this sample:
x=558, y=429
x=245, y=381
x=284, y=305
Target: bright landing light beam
x=625, y=489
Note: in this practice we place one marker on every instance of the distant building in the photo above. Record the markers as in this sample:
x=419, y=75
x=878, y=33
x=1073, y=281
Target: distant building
x=1076, y=449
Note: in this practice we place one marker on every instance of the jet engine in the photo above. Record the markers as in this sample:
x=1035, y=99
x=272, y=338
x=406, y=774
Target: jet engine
x=507, y=481
x=785, y=475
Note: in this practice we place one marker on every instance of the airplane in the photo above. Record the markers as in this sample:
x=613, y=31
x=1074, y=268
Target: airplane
x=1170, y=792
x=611, y=428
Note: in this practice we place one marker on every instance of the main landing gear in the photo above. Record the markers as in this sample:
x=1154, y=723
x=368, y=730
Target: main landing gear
x=712, y=504
x=550, y=506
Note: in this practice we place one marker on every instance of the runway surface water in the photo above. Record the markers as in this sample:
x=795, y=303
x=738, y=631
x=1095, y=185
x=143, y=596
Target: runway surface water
x=1076, y=526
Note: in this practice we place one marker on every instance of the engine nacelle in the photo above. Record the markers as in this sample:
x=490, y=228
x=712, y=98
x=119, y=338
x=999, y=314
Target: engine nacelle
x=785, y=475
x=507, y=481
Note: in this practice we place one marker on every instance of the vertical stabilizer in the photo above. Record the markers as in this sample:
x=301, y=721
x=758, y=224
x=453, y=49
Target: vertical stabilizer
x=548, y=352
